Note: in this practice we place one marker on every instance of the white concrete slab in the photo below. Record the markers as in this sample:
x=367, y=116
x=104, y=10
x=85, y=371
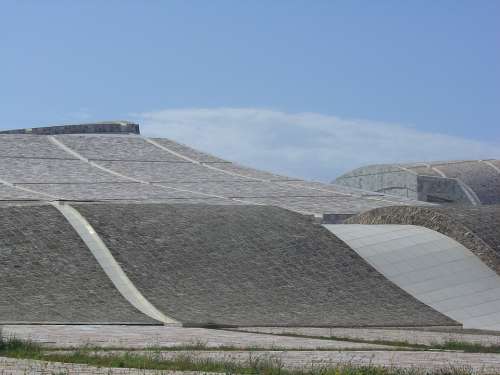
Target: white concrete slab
x=432, y=267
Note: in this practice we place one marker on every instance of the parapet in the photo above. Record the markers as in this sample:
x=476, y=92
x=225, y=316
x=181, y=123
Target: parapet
x=109, y=127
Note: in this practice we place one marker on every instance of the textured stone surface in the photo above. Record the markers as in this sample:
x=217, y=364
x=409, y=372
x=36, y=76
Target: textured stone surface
x=49, y=275
x=480, y=177
x=434, y=182
x=390, y=179
x=112, y=191
x=321, y=204
x=101, y=127
x=423, y=170
x=441, y=190
x=29, y=161
x=419, y=362
x=29, y=146
x=250, y=189
x=496, y=163
x=361, y=195
x=477, y=228
x=249, y=265
x=141, y=337
x=411, y=336
x=9, y=193
x=33, y=171
x=112, y=147
x=477, y=363
x=169, y=172
x=13, y=366
x=250, y=172
x=188, y=151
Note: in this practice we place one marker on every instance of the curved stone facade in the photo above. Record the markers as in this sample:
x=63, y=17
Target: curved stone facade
x=128, y=167
x=472, y=182
x=249, y=265
x=49, y=275
x=147, y=231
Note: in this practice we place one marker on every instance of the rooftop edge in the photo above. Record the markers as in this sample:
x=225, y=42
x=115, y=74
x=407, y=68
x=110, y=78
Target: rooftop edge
x=109, y=127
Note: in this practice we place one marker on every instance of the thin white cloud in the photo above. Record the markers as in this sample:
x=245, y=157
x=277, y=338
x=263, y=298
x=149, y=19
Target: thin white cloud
x=82, y=114
x=307, y=145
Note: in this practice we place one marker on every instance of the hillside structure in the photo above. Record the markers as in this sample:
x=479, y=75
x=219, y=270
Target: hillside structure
x=101, y=225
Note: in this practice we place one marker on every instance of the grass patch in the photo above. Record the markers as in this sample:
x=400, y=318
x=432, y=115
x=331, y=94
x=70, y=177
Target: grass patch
x=152, y=360
x=402, y=345
x=17, y=348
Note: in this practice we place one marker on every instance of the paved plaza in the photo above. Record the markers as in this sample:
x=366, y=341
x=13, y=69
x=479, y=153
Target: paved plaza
x=139, y=337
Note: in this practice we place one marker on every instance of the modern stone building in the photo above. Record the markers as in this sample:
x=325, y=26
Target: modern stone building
x=471, y=182
x=99, y=224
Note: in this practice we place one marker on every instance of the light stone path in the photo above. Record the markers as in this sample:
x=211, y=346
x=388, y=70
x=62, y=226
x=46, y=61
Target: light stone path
x=410, y=336
x=11, y=366
x=67, y=336
x=479, y=363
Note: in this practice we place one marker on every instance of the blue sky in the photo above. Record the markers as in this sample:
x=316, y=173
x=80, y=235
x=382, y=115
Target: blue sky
x=308, y=88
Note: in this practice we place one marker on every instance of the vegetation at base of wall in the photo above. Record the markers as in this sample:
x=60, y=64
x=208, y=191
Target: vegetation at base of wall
x=463, y=346
x=152, y=360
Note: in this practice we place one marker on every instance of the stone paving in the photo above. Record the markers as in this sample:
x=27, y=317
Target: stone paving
x=424, y=337
x=35, y=160
x=12, y=366
x=476, y=362
x=137, y=337
x=140, y=337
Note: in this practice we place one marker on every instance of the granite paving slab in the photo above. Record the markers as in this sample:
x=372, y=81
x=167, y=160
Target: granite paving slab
x=116, y=147
x=30, y=146
x=52, y=171
x=251, y=172
x=9, y=193
x=142, y=337
x=338, y=204
x=188, y=151
x=411, y=336
x=249, y=189
x=14, y=366
x=169, y=171
x=112, y=191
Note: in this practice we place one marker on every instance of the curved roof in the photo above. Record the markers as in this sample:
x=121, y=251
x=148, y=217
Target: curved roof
x=129, y=167
x=467, y=181
x=195, y=264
